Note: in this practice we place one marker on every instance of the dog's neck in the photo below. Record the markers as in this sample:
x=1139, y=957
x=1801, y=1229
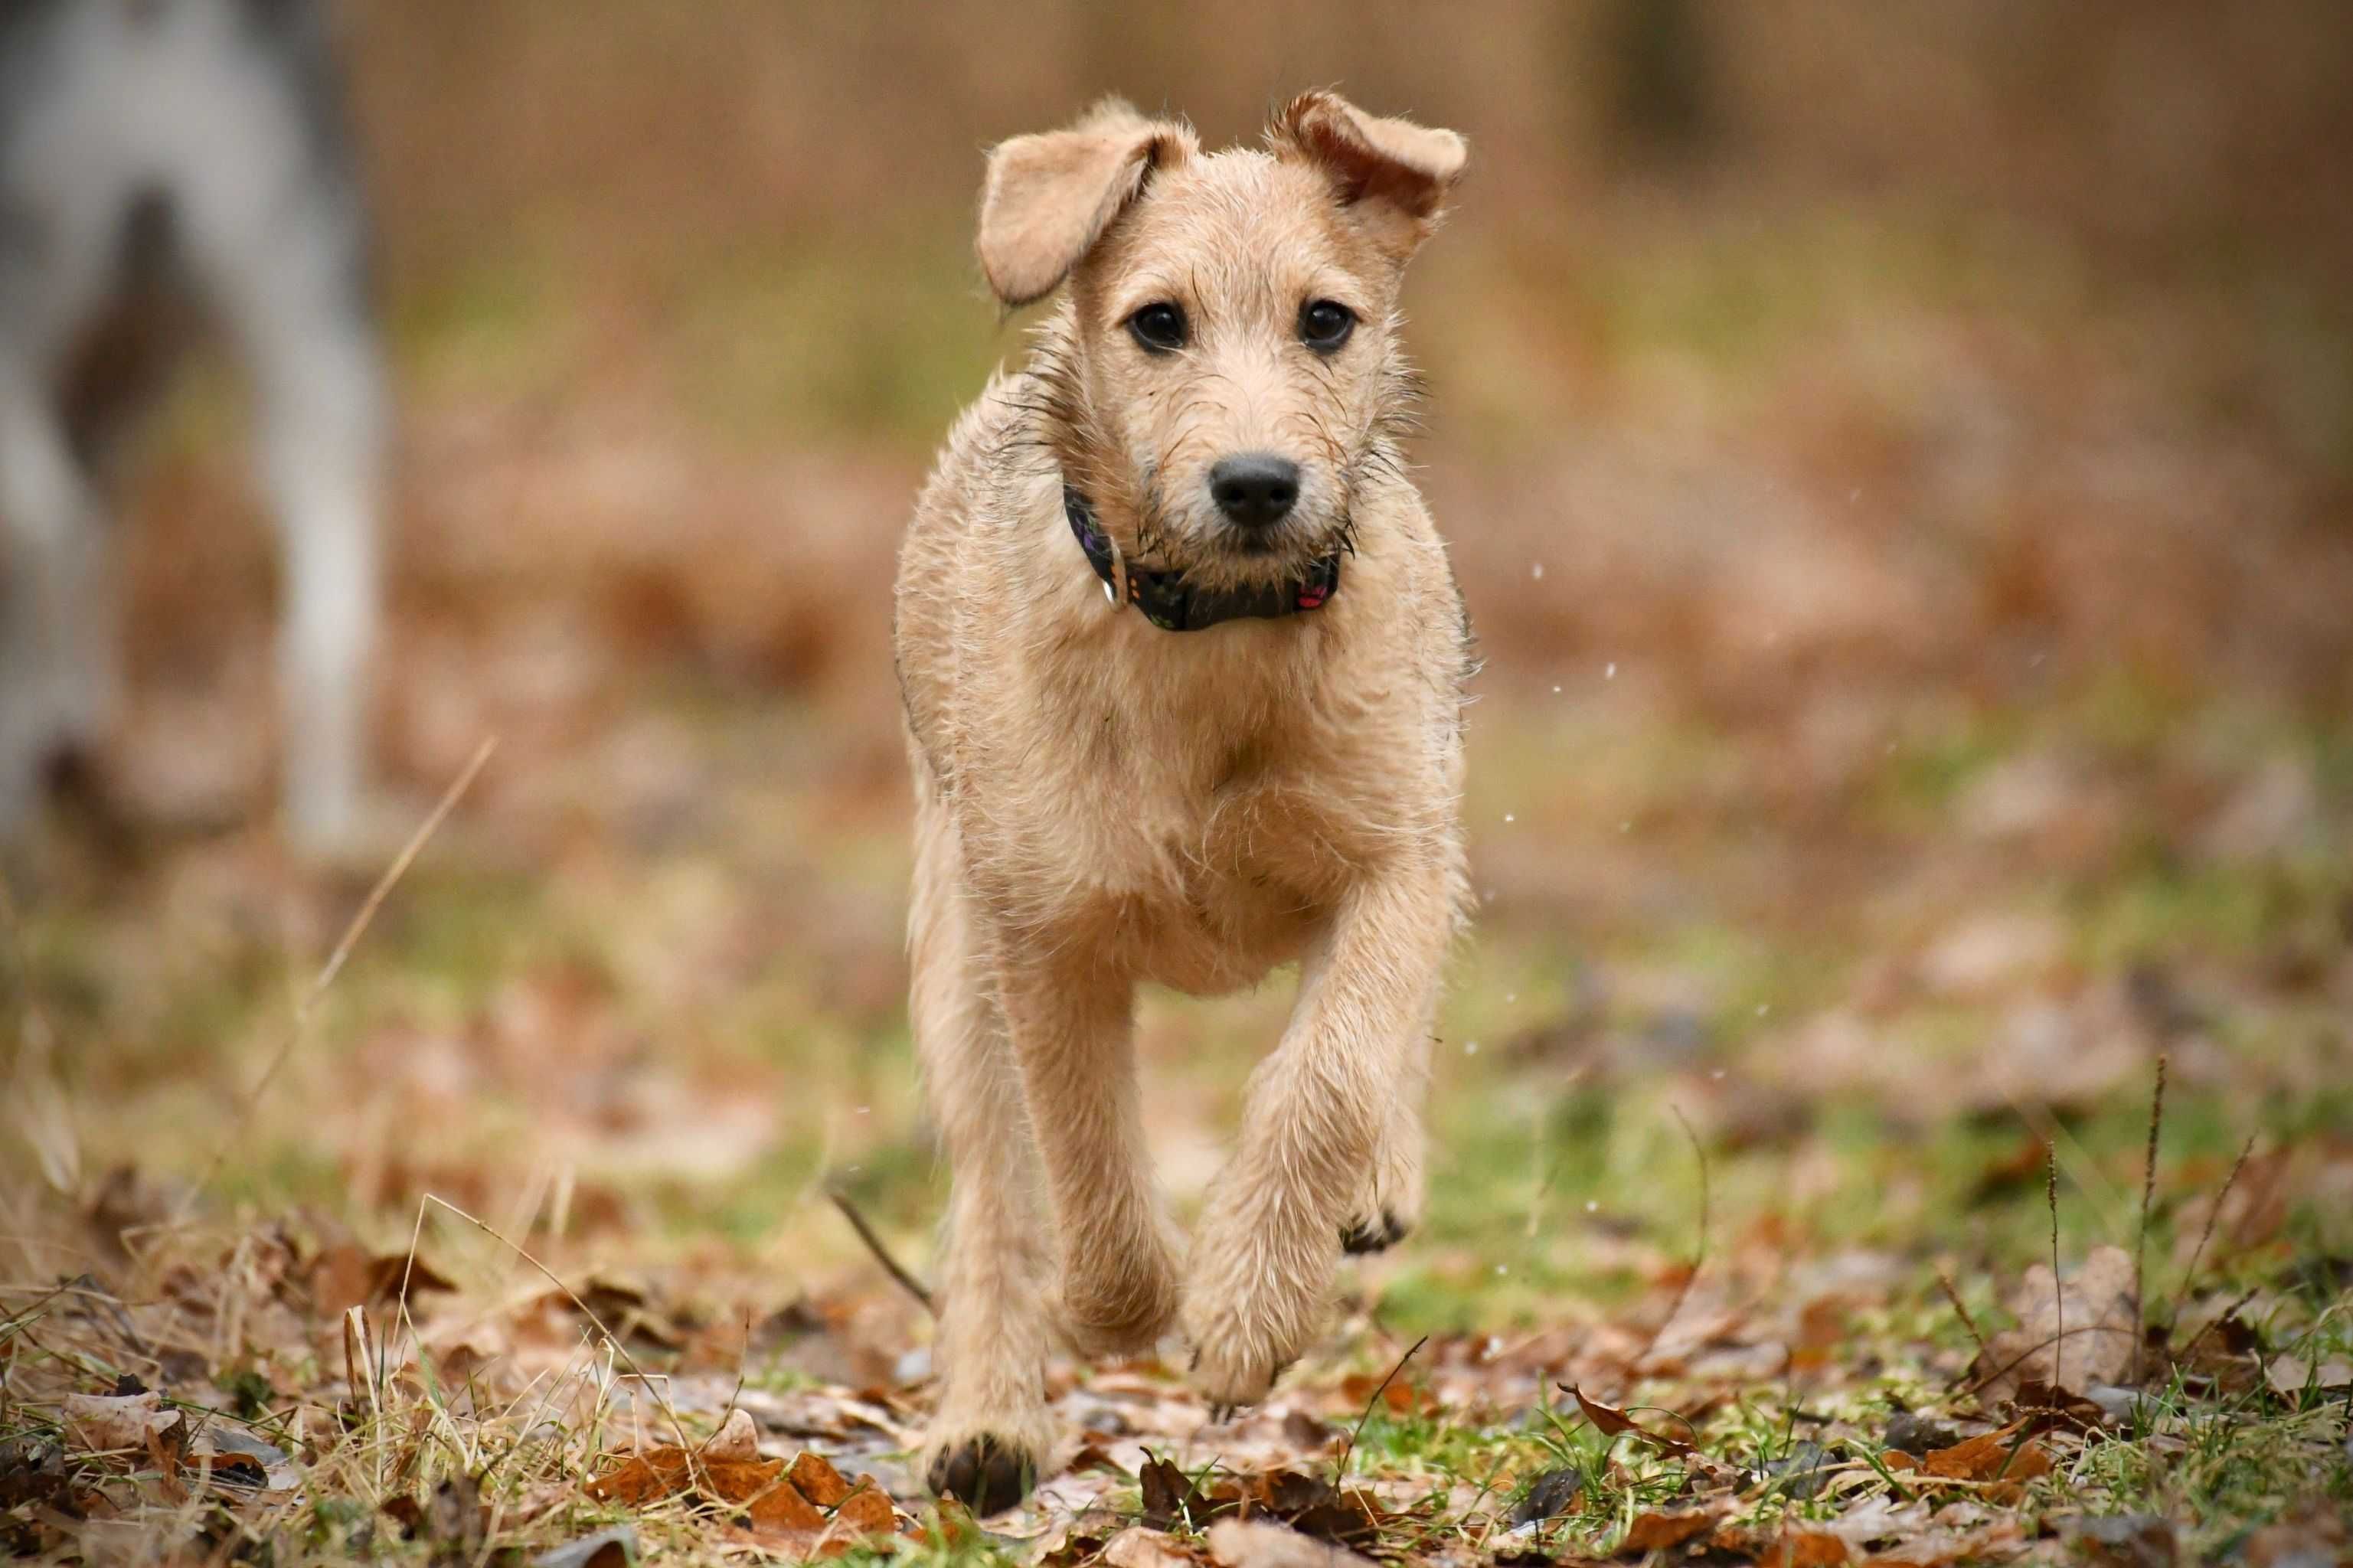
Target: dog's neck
x=1167, y=602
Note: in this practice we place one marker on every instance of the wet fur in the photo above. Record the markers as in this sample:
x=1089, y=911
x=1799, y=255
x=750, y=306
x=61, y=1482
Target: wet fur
x=1102, y=803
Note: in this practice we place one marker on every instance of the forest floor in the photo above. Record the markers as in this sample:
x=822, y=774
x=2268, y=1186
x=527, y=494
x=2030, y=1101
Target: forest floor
x=1887, y=768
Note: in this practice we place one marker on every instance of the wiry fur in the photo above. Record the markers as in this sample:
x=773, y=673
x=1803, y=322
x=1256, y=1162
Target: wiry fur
x=1101, y=802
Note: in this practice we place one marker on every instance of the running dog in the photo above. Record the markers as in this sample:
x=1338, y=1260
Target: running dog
x=1183, y=662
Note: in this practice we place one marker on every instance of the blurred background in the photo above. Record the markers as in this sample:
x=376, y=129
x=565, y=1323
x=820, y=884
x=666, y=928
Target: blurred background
x=1899, y=459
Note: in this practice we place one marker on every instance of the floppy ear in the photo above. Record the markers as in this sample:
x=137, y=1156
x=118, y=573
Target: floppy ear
x=1048, y=197
x=1394, y=173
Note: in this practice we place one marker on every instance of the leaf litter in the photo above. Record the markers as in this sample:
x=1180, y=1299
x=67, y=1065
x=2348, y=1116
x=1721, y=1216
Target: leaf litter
x=405, y=1416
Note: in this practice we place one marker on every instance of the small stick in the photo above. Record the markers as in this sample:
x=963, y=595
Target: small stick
x=2140, y=1240
x=1699, y=1253
x=2189, y=1277
x=1340, y=1467
x=2058, y=1291
x=2212, y=1323
x=300, y=1024
x=890, y=1266
x=1945, y=1283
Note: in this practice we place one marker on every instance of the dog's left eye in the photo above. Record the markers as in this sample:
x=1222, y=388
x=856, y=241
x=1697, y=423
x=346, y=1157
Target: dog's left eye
x=1324, y=324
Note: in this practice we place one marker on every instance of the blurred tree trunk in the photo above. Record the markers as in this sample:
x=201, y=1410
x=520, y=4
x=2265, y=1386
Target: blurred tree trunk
x=1659, y=77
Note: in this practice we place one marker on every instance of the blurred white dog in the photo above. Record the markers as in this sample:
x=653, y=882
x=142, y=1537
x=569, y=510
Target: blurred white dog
x=158, y=155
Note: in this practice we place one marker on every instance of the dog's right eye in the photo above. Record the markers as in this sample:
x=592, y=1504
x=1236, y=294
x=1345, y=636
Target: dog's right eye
x=1159, y=327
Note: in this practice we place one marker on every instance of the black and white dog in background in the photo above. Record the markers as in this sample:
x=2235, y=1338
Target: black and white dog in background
x=159, y=158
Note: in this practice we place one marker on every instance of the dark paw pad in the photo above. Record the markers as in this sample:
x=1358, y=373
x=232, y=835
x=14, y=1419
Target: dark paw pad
x=985, y=1474
x=1373, y=1236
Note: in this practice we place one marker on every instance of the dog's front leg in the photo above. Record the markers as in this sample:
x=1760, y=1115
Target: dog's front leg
x=1316, y=1119
x=989, y=1439
x=1072, y=1027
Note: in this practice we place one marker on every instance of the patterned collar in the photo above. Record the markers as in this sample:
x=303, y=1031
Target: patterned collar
x=1168, y=603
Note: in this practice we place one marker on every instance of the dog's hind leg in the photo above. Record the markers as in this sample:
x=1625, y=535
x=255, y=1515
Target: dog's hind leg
x=1316, y=1119
x=1073, y=1028
x=989, y=1437
x=56, y=653
x=307, y=338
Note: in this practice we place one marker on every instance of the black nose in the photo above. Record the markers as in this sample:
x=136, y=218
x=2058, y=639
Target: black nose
x=1256, y=489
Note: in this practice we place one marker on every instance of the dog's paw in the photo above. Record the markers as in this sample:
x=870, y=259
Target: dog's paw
x=1232, y=1377
x=1374, y=1233
x=983, y=1471
x=1245, y=1339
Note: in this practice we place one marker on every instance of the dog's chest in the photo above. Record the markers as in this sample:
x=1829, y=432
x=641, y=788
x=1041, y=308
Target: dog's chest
x=1219, y=865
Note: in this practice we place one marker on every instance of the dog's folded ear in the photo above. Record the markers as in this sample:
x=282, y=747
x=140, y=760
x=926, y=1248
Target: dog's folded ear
x=1048, y=197
x=1393, y=173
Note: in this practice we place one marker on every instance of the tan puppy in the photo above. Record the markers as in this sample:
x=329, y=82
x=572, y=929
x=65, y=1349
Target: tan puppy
x=1183, y=662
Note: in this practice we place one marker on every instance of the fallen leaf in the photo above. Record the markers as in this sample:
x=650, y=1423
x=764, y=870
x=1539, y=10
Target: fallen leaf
x=2066, y=1337
x=343, y=1276
x=2291, y=1375
x=1307, y=1434
x=2009, y=1455
x=107, y=1422
x=1985, y=1458
x=1248, y=1543
x=1139, y=1546
x=1170, y=1498
x=1657, y=1531
x=779, y=1509
x=1613, y=1422
x=816, y=1478
x=1805, y=1548
x=866, y=1511
x=669, y=1470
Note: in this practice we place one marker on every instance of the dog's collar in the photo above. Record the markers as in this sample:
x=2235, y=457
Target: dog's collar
x=1168, y=603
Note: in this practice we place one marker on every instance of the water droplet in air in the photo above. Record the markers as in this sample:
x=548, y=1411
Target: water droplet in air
x=1470, y=1047
x=1509, y=818
x=1537, y=571
x=1763, y=1008
x=1502, y=1268
x=1592, y=1207
x=1612, y=672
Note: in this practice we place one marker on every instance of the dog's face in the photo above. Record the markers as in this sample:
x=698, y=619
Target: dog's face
x=1226, y=374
